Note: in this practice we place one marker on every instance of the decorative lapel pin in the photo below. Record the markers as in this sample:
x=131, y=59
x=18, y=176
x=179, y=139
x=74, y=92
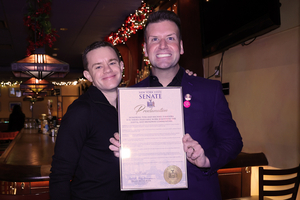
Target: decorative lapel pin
x=186, y=104
x=188, y=97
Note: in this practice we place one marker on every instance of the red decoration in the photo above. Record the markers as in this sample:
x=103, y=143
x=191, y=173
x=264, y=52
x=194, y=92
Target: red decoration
x=132, y=24
x=38, y=20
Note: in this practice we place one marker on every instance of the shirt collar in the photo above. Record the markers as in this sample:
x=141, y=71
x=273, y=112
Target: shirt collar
x=154, y=82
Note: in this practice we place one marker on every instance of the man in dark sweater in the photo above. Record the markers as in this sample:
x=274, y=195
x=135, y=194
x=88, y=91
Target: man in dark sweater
x=83, y=167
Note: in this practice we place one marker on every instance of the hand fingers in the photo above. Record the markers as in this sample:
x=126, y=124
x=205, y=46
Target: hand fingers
x=115, y=142
x=198, y=152
x=114, y=149
x=117, y=154
x=186, y=138
x=190, y=151
x=190, y=73
x=117, y=136
x=192, y=148
x=188, y=142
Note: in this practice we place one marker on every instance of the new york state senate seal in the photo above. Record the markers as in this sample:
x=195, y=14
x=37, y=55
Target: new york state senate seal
x=173, y=174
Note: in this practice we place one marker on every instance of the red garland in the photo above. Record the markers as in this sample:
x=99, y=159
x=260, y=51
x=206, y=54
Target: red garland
x=132, y=24
x=37, y=20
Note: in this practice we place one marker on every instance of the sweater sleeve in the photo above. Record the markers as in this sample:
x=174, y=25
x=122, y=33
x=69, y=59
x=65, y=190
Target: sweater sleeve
x=69, y=142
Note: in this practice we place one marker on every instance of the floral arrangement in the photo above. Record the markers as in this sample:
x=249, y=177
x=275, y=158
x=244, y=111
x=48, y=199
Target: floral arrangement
x=38, y=21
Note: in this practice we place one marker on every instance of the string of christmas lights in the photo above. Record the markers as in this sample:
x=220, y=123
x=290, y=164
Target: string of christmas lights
x=9, y=83
x=79, y=81
x=133, y=23
x=17, y=83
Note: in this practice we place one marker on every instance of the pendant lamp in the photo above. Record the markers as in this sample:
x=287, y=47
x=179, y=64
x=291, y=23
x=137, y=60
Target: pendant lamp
x=40, y=65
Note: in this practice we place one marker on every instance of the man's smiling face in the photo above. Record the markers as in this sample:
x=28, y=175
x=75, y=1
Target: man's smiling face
x=105, y=70
x=163, y=46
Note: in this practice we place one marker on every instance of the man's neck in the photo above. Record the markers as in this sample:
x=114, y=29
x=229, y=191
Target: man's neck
x=165, y=76
x=111, y=96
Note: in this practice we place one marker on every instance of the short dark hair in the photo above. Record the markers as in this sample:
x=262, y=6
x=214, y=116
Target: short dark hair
x=17, y=109
x=96, y=45
x=162, y=15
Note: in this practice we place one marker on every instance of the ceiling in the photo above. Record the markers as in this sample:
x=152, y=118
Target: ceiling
x=86, y=20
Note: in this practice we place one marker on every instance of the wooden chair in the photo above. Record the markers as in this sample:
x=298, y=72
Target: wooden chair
x=282, y=177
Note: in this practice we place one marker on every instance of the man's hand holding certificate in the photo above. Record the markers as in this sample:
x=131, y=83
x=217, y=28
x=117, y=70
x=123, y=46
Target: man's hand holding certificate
x=151, y=128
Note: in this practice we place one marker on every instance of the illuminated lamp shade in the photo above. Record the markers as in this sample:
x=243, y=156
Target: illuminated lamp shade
x=40, y=66
x=36, y=85
x=29, y=92
x=33, y=99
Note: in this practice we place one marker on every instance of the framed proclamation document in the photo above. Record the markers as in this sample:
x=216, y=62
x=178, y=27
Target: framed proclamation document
x=151, y=128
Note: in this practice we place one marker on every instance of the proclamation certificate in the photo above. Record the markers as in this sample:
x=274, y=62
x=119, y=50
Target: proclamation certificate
x=151, y=128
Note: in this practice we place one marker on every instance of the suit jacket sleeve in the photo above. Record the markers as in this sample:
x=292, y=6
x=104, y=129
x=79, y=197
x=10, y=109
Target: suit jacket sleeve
x=228, y=140
x=209, y=121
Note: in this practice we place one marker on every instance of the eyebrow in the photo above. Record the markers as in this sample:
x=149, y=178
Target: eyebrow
x=167, y=35
x=99, y=63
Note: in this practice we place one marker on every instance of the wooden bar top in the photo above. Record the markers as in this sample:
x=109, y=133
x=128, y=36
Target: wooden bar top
x=28, y=157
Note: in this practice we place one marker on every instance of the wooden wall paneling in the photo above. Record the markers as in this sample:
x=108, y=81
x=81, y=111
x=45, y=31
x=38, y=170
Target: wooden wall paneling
x=128, y=62
x=132, y=53
x=235, y=182
x=230, y=182
x=246, y=181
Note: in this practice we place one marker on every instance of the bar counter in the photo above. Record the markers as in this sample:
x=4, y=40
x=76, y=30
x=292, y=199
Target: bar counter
x=28, y=157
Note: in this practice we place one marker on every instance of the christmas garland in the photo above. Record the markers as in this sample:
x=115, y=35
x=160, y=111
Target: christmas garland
x=132, y=24
x=38, y=21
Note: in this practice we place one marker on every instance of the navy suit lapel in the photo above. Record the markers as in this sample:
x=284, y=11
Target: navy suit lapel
x=187, y=85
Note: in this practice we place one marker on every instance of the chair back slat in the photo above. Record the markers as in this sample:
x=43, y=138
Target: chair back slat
x=281, y=171
x=279, y=192
x=294, y=182
x=280, y=182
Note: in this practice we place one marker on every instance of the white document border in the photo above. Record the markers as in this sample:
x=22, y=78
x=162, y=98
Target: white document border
x=122, y=113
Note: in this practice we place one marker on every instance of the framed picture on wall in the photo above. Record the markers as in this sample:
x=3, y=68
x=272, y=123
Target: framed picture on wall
x=14, y=92
x=12, y=104
x=55, y=92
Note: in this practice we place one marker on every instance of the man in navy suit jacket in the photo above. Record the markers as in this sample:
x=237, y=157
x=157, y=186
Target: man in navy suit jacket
x=212, y=138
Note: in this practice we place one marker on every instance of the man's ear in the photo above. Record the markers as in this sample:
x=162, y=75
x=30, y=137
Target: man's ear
x=122, y=66
x=181, y=48
x=87, y=75
x=145, y=49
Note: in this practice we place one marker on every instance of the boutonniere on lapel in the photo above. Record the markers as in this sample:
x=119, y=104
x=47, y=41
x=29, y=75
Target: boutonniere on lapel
x=187, y=102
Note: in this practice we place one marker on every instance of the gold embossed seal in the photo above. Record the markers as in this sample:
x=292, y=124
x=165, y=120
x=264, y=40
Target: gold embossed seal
x=173, y=174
